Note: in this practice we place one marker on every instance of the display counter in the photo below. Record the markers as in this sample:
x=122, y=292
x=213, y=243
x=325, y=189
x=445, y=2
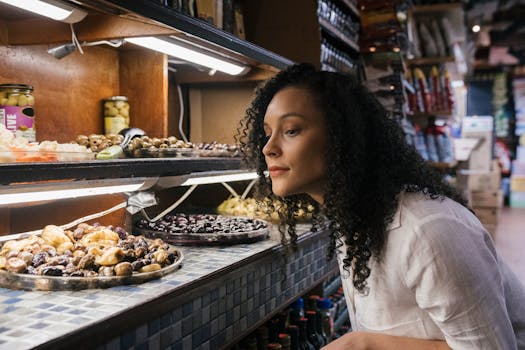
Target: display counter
x=219, y=296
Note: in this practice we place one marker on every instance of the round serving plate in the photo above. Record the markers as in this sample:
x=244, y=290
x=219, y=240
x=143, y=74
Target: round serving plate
x=53, y=283
x=213, y=238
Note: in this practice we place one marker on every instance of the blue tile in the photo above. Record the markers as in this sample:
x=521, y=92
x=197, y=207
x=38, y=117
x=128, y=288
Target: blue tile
x=127, y=339
x=44, y=306
x=206, y=299
x=166, y=338
x=39, y=325
x=197, y=304
x=153, y=326
x=165, y=320
x=59, y=308
x=196, y=337
x=214, y=310
x=237, y=297
x=4, y=329
x=187, y=326
x=9, y=309
x=197, y=319
x=176, y=315
x=76, y=312
x=12, y=301
x=177, y=346
x=187, y=309
x=142, y=346
x=206, y=332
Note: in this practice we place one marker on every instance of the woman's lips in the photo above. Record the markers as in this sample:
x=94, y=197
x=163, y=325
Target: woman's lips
x=276, y=171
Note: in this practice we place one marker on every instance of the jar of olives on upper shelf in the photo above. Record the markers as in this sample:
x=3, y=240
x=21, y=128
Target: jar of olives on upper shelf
x=17, y=112
x=116, y=114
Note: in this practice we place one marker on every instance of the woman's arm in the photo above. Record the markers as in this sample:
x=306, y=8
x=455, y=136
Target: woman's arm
x=376, y=341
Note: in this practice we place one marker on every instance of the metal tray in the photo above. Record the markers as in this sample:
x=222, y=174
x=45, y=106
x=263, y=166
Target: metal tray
x=205, y=239
x=53, y=283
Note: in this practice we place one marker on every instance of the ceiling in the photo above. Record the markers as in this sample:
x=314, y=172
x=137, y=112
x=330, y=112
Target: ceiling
x=501, y=39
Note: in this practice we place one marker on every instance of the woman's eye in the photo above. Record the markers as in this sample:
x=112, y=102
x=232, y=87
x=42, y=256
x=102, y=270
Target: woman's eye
x=292, y=132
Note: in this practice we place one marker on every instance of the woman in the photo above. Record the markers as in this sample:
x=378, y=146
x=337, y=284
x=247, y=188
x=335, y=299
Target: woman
x=418, y=269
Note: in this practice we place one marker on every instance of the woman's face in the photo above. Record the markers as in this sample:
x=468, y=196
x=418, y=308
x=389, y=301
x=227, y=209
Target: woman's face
x=297, y=139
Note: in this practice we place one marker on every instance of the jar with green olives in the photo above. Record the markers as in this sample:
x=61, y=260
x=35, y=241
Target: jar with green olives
x=17, y=112
x=116, y=114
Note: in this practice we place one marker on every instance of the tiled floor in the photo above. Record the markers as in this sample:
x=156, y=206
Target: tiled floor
x=510, y=239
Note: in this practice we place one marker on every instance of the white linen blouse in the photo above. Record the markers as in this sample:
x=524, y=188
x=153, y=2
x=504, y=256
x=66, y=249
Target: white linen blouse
x=440, y=277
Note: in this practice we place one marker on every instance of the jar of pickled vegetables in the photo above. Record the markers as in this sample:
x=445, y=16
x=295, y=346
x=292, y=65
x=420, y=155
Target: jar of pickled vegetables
x=17, y=111
x=116, y=114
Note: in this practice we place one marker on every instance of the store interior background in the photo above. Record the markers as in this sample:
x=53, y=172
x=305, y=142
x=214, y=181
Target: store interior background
x=477, y=48
x=451, y=72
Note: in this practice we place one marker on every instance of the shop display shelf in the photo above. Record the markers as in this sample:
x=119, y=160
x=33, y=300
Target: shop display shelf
x=195, y=27
x=111, y=169
x=331, y=29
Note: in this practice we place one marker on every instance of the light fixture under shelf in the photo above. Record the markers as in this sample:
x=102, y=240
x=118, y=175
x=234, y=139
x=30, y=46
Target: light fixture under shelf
x=204, y=178
x=188, y=52
x=50, y=8
x=15, y=194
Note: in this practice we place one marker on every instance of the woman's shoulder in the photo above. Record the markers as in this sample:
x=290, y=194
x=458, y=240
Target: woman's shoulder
x=421, y=217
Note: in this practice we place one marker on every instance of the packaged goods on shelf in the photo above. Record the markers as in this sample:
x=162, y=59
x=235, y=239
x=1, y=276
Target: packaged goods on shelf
x=116, y=114
x=17, y=112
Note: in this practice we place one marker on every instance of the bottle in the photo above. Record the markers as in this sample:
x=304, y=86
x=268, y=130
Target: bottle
x=273, y=330
x=273, y=346
x=262, y=338
x=293, y=331
x=325, y=305
x=285, y=341
x=296, y=311
x=304, y=344
x=250, y=343
x=311, y=329
x=311, y=304
x=116, y=114
x=17, y=112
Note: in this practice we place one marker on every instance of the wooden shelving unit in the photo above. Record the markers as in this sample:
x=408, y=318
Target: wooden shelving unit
x=332, y=30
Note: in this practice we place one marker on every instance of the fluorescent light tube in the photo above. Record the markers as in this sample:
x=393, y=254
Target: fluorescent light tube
x=189, y=54
x=50, y=8
x=219, y=178
x=44, y=195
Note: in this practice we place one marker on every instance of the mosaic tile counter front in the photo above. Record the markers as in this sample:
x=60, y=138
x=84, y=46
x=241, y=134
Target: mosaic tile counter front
x=218, y=296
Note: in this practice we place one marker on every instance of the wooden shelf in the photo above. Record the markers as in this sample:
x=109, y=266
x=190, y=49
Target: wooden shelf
x=429, y=60
x=429, y=9
x=331, y=29
x=194, y=27
x=443, y=165
x=111, y=169
x=352, y=7
x=430, y=114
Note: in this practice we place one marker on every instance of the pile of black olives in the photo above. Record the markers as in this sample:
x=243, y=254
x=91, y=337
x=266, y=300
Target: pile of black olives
x=202, y=224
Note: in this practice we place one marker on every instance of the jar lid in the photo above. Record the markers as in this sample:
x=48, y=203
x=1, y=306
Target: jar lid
x=16, y=86
x=116, y=98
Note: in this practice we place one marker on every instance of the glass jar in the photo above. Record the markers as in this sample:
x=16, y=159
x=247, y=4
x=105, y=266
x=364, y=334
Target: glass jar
x=17, y=111
x=116, y=114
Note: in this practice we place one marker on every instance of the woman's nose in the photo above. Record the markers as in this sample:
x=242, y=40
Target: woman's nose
x=270, y=149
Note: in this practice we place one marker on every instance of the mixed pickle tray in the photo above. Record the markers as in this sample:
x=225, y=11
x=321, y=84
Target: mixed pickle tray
x=90, y=256
x=204, y=229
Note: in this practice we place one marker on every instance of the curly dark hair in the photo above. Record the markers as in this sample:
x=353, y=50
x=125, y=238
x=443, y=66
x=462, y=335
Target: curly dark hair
x=369, y=164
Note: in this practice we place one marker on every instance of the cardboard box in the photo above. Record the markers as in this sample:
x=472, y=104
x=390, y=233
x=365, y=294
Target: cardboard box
x=486, y=199
x=517, y=183
x=478, y=180
x=491, y=229
x=480, y=128
x=487, y=215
